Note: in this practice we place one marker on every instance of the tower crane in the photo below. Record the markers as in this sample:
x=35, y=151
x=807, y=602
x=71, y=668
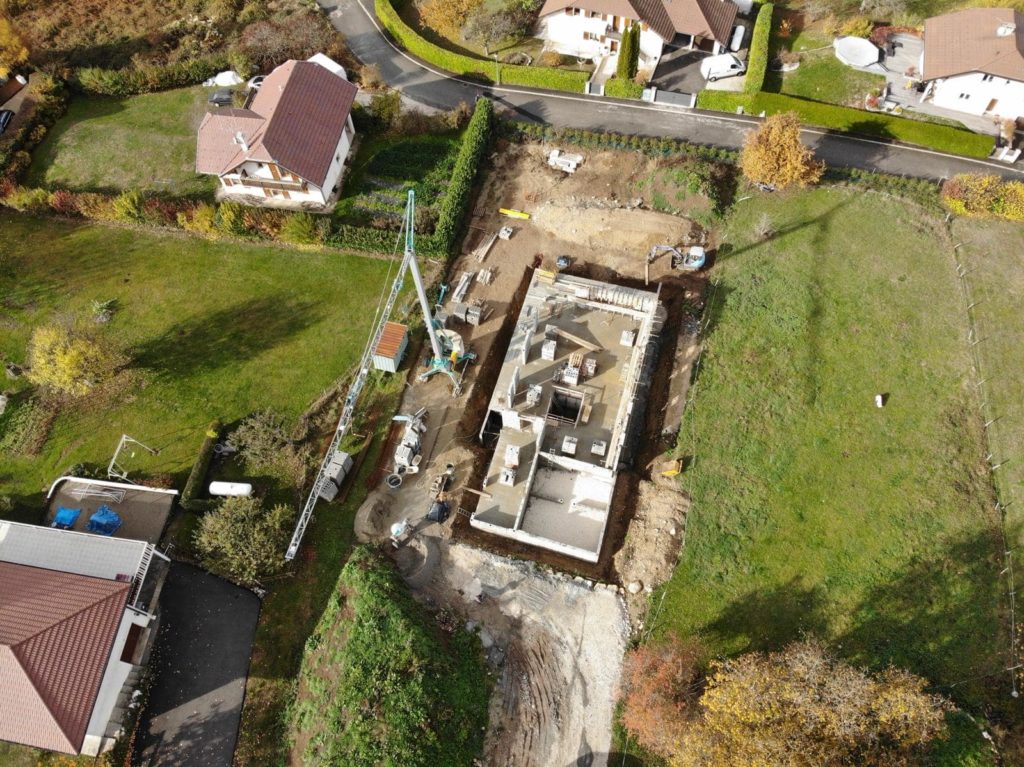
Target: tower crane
x=447, y=352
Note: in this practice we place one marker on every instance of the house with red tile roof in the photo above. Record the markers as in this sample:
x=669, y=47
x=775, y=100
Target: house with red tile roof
x=76, y=621
x=289, y=144
x=591, y=29
x=973, y=62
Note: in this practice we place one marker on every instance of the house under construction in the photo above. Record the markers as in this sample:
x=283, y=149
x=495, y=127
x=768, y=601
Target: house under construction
x=569, y=395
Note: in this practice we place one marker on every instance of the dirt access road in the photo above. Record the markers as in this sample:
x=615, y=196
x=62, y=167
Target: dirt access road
x=554, y=639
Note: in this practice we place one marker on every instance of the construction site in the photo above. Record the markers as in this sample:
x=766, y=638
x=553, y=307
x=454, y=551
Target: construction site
x=525, y=485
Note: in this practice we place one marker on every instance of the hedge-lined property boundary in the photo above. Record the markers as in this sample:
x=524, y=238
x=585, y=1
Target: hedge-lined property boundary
x=147, y=78
x=50, y=106
x=942, y=138
x=477, y=69
x=757, y=59
x=617, y=88
x=194, y=486
x=231, y=219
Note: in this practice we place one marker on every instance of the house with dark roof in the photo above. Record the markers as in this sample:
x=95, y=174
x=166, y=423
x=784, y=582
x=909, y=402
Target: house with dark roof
x=973, y=62
x=592, y=29
x=77, y=616
x=289, y=144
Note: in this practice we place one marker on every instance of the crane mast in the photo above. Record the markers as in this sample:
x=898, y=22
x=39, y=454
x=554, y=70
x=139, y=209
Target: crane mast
x=439, y=363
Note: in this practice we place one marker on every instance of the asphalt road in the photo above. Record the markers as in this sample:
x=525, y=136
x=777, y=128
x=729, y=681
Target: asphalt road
x=424, y=84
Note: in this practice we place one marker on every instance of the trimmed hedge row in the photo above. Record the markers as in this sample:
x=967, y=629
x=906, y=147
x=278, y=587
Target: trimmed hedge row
x=655, y=147
x=147, y=78
x=194, y=486
x=942, y=138
x=453, y=207
x=478, y=69
x=757, y=60
x=623, y=89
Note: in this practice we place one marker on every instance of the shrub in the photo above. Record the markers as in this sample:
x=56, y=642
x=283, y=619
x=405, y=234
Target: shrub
x=128, y=206
x=197, y=477
x=554, y=59
x=70, y=361
x=478, y=69
x=28, y=199
x=973, y=194
x=856, y=26
x=757, y=60
x=300, y=229
x=202, y=220
x=243, y=541
x=230, y=218
x=64, y=203
x=617, y=88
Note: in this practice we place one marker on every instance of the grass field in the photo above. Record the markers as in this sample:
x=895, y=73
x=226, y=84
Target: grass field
x=215, y=329
x=814, y=511
x=992, y=254
x=144, y=142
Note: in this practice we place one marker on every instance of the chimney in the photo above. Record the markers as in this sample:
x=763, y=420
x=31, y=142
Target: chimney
x=240, y=140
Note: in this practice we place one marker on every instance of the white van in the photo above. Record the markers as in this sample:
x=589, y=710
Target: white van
x=726, y=65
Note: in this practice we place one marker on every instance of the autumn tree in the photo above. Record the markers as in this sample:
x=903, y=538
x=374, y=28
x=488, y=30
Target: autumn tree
x=70, y=361
x=660, y=687
x=243, y=541
x=801, y=707
x=447, y=17
x=13, y=50
x=490, y=28
x=773, y=154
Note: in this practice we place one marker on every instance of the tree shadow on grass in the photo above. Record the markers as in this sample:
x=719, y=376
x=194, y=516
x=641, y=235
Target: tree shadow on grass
x=944, y=618
x=234, y=333
x=770, y=618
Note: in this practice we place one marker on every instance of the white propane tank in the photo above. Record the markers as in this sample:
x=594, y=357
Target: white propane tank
x=230, y=488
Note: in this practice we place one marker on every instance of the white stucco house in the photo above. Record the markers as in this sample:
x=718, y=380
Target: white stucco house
x=289, y=145
x=591, y=29
x=973, y=62
x=76, y=621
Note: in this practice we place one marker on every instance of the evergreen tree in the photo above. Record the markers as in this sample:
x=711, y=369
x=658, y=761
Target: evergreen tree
x=629, y=53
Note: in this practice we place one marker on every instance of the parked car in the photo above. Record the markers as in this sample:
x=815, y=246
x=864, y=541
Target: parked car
x=6, y=115
x=222, y=98
x=255, y=83
x=725, y=65
x=736, y=42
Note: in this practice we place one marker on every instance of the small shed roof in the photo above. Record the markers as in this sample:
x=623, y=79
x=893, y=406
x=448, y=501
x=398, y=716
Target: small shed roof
x=391, y=340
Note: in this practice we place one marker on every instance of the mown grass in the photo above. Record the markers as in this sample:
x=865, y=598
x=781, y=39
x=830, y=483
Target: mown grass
x=214, y=330
x=992, y=253
x=813, y=510
x=143, y=142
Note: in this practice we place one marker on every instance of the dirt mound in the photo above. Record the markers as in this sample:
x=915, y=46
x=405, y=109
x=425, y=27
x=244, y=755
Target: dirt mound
x=371, y=518
x=653, y=543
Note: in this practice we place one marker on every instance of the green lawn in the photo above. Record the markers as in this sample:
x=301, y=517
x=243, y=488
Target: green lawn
x=215, y=330
x=145, y=142
x=813, y=510
x=993, y=254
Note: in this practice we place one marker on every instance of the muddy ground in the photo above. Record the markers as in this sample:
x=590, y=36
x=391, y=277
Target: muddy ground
x=555, y=638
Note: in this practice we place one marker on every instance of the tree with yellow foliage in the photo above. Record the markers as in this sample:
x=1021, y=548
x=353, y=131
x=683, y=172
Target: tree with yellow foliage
x=69, y=361
x=13, y=50
x=773, y=154
x=801, y=707
x=447, y=17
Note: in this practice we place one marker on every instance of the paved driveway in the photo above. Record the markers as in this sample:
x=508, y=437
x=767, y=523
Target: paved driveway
x=679, y=70
x=201, y=662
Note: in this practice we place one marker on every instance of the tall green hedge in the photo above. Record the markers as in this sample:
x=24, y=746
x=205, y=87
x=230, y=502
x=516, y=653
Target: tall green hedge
x=757, y=60
x=942, y=138
x=147, y=78
x=477, y=69
x=453, y=207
